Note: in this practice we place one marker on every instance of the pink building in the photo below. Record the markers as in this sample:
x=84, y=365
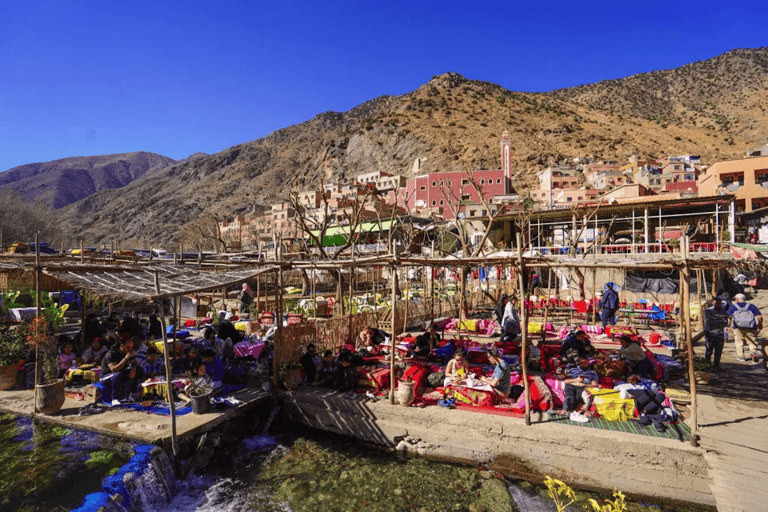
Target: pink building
x=453, y=191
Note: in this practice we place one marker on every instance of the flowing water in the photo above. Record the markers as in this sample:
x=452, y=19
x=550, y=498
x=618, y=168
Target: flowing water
x=45, y=467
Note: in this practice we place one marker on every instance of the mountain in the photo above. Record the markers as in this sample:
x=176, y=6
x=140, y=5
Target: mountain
x=711, y=108
x=63, y=182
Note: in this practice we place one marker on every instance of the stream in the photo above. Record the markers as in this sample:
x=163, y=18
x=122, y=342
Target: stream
x=48, y=468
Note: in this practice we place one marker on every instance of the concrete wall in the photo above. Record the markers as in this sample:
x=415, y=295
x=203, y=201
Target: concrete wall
x=584, y=457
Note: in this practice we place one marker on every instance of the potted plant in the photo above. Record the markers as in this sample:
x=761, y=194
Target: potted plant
x=701, y=369
x=290, y=374
x=13, y=347
x=49, y=393
x=199, y=392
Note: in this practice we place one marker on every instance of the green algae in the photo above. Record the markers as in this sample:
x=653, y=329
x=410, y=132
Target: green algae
x=45, y=467
x=314, y=477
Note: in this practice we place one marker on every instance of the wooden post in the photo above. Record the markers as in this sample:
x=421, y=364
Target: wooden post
x=594, y=294
x=681, y=301
x=314, y=289
x=524, y=328
x=689, y=341
x=168, y=382
x=546, y=307
x=176, y=323
x=405, y=299
x=279, y=319
x=393, y=272
x=82, y=256
x=38, y=365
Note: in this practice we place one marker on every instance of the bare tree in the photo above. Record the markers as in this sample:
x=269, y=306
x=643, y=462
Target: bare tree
x=207, y=227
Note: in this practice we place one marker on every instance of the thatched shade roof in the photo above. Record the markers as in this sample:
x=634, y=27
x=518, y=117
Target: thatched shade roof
x=138, y=282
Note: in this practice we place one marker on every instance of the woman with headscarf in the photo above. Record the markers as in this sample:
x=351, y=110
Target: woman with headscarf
x=246, y=298
x=609, y=304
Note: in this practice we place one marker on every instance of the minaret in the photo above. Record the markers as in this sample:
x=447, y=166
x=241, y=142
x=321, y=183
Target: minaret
x=506, y=157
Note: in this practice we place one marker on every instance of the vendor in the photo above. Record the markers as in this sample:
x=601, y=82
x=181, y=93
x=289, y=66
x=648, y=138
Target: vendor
x=457, y=369
x=371, y=337
x=153, y=366
x=500, y=379
x=311, y=363
x=510, y=321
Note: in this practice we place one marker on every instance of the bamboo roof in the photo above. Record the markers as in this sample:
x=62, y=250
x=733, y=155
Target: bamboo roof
x=138, y=282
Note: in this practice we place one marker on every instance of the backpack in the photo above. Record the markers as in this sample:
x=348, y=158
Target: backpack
x=743, y=317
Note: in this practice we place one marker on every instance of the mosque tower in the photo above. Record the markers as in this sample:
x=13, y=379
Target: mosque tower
x=506, y=159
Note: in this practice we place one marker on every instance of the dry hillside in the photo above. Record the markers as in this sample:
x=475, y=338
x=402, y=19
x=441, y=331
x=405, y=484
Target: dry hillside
x=448, y=123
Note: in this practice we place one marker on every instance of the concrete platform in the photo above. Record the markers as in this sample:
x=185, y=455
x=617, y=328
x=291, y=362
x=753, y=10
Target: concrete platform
x=134, y=425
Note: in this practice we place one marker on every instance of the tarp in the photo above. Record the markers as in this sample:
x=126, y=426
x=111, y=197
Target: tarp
x=657, y=282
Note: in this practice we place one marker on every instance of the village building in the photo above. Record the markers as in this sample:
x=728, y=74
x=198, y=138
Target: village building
x=746, y=178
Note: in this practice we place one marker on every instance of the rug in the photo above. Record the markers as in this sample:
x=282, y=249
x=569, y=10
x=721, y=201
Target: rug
x=632, y=427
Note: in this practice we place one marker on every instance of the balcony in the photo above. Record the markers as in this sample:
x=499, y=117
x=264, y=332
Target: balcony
x=733, y=187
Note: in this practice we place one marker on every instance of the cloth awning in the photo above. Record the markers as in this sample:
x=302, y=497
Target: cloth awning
x=338, y=235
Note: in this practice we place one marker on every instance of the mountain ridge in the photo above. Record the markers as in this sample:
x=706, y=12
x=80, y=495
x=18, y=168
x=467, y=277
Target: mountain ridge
x=448, y=123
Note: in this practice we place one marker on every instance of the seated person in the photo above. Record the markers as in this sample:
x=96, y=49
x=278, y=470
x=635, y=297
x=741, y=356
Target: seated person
x=328, y=371
x=500, y=380
x=214, y=368
x=370, y=338
x=190, y=362
x=120, y=365
x=575, y=346
x=141, y=351
x=200, y=379
x=209, y=338
x=66, y=358
x=95, y=352
x=310, y=362
x=154, y=365
x=155, y=330
x=456, y=370
x=633, y=353
x=347, y=377
x=227, y=330
x=131, y=326
x=425, y=343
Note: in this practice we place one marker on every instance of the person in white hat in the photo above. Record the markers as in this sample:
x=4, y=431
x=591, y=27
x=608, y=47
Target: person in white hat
x=747, y=322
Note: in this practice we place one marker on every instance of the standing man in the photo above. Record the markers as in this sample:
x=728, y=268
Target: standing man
x=609, y=304
x=748, y=321
x=716, y=322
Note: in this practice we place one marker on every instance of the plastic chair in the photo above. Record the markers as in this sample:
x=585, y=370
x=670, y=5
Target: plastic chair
x=71, y=297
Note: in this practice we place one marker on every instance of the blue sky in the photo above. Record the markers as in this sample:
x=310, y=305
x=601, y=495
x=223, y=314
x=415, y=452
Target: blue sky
x=96, y=77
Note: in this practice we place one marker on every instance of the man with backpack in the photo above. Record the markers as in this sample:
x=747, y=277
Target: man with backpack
x=747, y=322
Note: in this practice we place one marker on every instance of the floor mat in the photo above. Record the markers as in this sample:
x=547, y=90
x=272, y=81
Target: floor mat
x=631, y=427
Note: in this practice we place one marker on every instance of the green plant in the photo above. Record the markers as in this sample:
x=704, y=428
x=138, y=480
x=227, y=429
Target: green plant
x=702, y=365
x=13, y=345
x=40, y=337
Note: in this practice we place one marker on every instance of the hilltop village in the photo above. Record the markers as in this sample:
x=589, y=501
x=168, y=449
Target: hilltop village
x=481, y=197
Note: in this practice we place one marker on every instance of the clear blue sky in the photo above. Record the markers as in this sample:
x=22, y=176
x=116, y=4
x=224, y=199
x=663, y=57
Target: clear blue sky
x=94, y=77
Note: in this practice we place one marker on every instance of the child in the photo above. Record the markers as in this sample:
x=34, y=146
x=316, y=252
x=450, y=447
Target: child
x=95, y=352
x=153, y=365
x=66, y=358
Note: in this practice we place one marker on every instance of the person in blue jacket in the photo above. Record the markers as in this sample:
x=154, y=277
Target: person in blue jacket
x=214, y=368
x=609, y=304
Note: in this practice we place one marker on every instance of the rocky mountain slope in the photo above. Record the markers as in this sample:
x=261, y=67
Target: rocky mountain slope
x=712, y=108
x=62, y=182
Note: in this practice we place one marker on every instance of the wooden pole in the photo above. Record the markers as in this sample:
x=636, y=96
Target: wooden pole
x=38, y=365
x=393, y=271
x=594, y=293
x=406, y=300
x=82, y=256
x=314, y=290
x=524, y=326
x=546, y=307
x=689, y=340
x=169, y=382
x=681, y=301
x=279, y=319
x=700, y=283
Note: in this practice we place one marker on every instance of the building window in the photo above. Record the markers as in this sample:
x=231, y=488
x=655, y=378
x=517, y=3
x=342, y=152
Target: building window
x=465, y=197
x=434, y=183
x=434, y=202
x=422, y=188
x=482, y=181
x=485, y=212
x=471, y=213
x=449, y=183
x=569, y=199
x=465, y=182
x=498, y=181
x=441, y=202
